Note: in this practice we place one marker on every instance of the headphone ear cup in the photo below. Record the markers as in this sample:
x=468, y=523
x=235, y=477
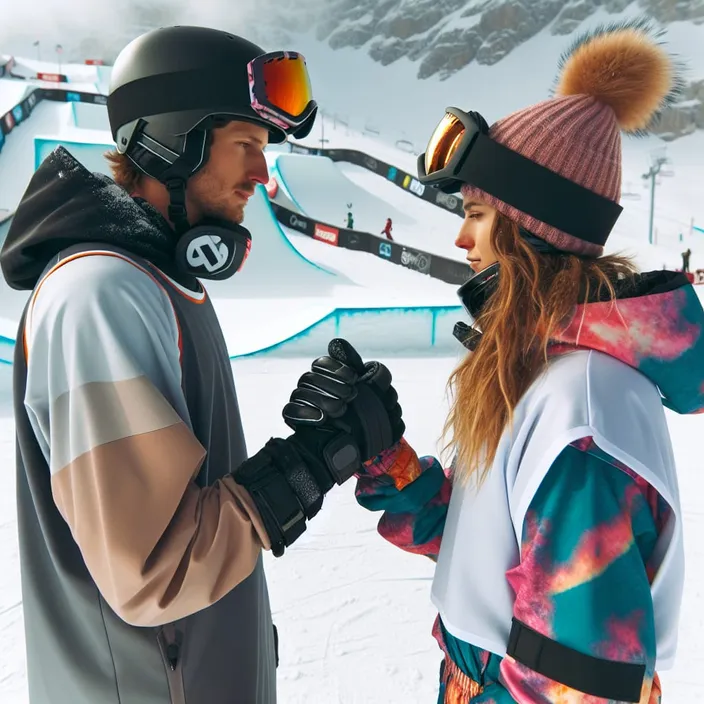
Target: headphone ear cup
x=213, y=250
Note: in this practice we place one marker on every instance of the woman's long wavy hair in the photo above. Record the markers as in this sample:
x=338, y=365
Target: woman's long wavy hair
x=536, y=296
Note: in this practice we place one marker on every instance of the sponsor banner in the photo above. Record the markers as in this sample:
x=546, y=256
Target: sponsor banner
x=325, y=233
x=409, y=182
x=95, y=62
x=402, y=179
x=351, y=239
x=30, y=102
x=448, y=270
x=18, y=113
x=298, y=223
x=447, y=200
x=418, y=261
x=413, y=185
x=52, y=77
x=8, y=122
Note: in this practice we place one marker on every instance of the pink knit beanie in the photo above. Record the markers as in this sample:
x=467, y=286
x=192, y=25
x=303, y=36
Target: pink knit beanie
x=612, y=80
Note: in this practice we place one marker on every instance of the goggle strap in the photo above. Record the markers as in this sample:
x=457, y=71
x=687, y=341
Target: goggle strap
x=539, y=192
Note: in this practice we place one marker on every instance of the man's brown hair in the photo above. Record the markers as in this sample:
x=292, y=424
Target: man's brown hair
x=124, y=171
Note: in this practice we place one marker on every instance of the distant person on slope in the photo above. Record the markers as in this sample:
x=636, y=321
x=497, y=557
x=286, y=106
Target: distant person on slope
x=557, y=530
x=141, y=519
x=685, y=260
x=350, y=221
x=387, y=230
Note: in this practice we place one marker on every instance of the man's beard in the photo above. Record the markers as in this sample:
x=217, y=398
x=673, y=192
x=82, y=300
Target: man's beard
x=224, y=211
x=220, y=206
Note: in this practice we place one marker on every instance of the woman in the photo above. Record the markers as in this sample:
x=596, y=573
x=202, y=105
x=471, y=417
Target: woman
x=557, y=531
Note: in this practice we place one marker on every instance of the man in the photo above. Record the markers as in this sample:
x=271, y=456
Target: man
x=141, y=520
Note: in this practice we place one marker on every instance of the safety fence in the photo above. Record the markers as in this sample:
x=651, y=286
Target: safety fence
x=435, y=266
x=399, y=177
x=21, y=112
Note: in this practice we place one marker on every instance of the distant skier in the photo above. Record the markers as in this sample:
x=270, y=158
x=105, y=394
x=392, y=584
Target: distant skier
x=350, y=221
x=387, y=229
x=685, y=260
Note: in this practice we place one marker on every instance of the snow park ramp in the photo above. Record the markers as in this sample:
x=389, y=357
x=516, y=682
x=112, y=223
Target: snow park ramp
x=90, y=154
x=276, y=295
x=274, y=267
x=319, y=189
x=17, y=155
x=89, y=116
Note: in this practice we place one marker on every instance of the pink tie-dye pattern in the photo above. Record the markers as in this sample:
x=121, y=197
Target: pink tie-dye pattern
x=398, y=530
x=530, y=580
x=634, y=329
x=597, y=549
x=534, y=585
x=623, y=642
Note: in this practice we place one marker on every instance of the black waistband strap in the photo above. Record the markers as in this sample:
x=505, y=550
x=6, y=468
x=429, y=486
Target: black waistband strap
x=610, y=680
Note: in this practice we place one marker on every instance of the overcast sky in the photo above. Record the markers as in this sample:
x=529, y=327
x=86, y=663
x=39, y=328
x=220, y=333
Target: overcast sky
x=91, y=26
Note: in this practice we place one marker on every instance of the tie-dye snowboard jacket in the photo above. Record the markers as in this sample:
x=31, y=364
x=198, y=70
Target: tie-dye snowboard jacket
x=588, y=537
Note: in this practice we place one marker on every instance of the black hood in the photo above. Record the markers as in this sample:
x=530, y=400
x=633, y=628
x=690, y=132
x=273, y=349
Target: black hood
x=65, y=205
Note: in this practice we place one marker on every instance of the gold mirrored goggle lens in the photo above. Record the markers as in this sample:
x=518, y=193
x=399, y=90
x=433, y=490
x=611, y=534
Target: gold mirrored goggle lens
x=443, y=143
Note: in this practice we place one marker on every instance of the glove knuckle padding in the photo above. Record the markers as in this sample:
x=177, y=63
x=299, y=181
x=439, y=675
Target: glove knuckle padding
x=377, y=374
x=328, y=385
x=333, y=368
x=329, y=405
x=295, y=412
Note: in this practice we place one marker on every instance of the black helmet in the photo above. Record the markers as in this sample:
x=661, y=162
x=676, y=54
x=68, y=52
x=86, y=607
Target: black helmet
x=169, y=81
x=171, y=86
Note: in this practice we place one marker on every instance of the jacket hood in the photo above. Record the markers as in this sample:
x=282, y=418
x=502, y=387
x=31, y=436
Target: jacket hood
x=656, y=326
x=64, y=205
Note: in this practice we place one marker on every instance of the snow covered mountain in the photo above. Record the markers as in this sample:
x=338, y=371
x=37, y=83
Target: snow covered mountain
x=372, y=58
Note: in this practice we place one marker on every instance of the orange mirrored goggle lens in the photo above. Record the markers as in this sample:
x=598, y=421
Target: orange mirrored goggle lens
x=287, y=84
x=443, y=143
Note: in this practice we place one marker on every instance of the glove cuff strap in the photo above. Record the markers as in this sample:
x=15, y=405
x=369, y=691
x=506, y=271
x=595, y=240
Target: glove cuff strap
x=342, y=457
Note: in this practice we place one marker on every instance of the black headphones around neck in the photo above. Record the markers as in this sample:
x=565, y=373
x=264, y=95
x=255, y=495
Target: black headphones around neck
x=212, y=248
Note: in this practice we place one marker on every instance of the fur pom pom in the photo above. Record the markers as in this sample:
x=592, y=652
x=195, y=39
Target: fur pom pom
x=624, y=66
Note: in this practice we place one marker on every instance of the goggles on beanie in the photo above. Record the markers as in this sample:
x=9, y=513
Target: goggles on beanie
x=460, y=151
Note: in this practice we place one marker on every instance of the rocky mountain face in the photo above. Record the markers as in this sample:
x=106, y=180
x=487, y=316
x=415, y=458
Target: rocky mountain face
x=440, y=36
x=444, y=36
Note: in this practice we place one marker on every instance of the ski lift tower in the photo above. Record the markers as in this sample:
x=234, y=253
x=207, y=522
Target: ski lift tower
x=658, y=160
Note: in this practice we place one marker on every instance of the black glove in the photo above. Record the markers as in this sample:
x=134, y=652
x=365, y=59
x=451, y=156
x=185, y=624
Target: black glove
x=334, y=412
x=284, y=489
x=343, y=394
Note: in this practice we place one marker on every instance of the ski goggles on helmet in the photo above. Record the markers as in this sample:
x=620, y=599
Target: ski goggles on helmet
x=460, y=152
x=280, y=89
